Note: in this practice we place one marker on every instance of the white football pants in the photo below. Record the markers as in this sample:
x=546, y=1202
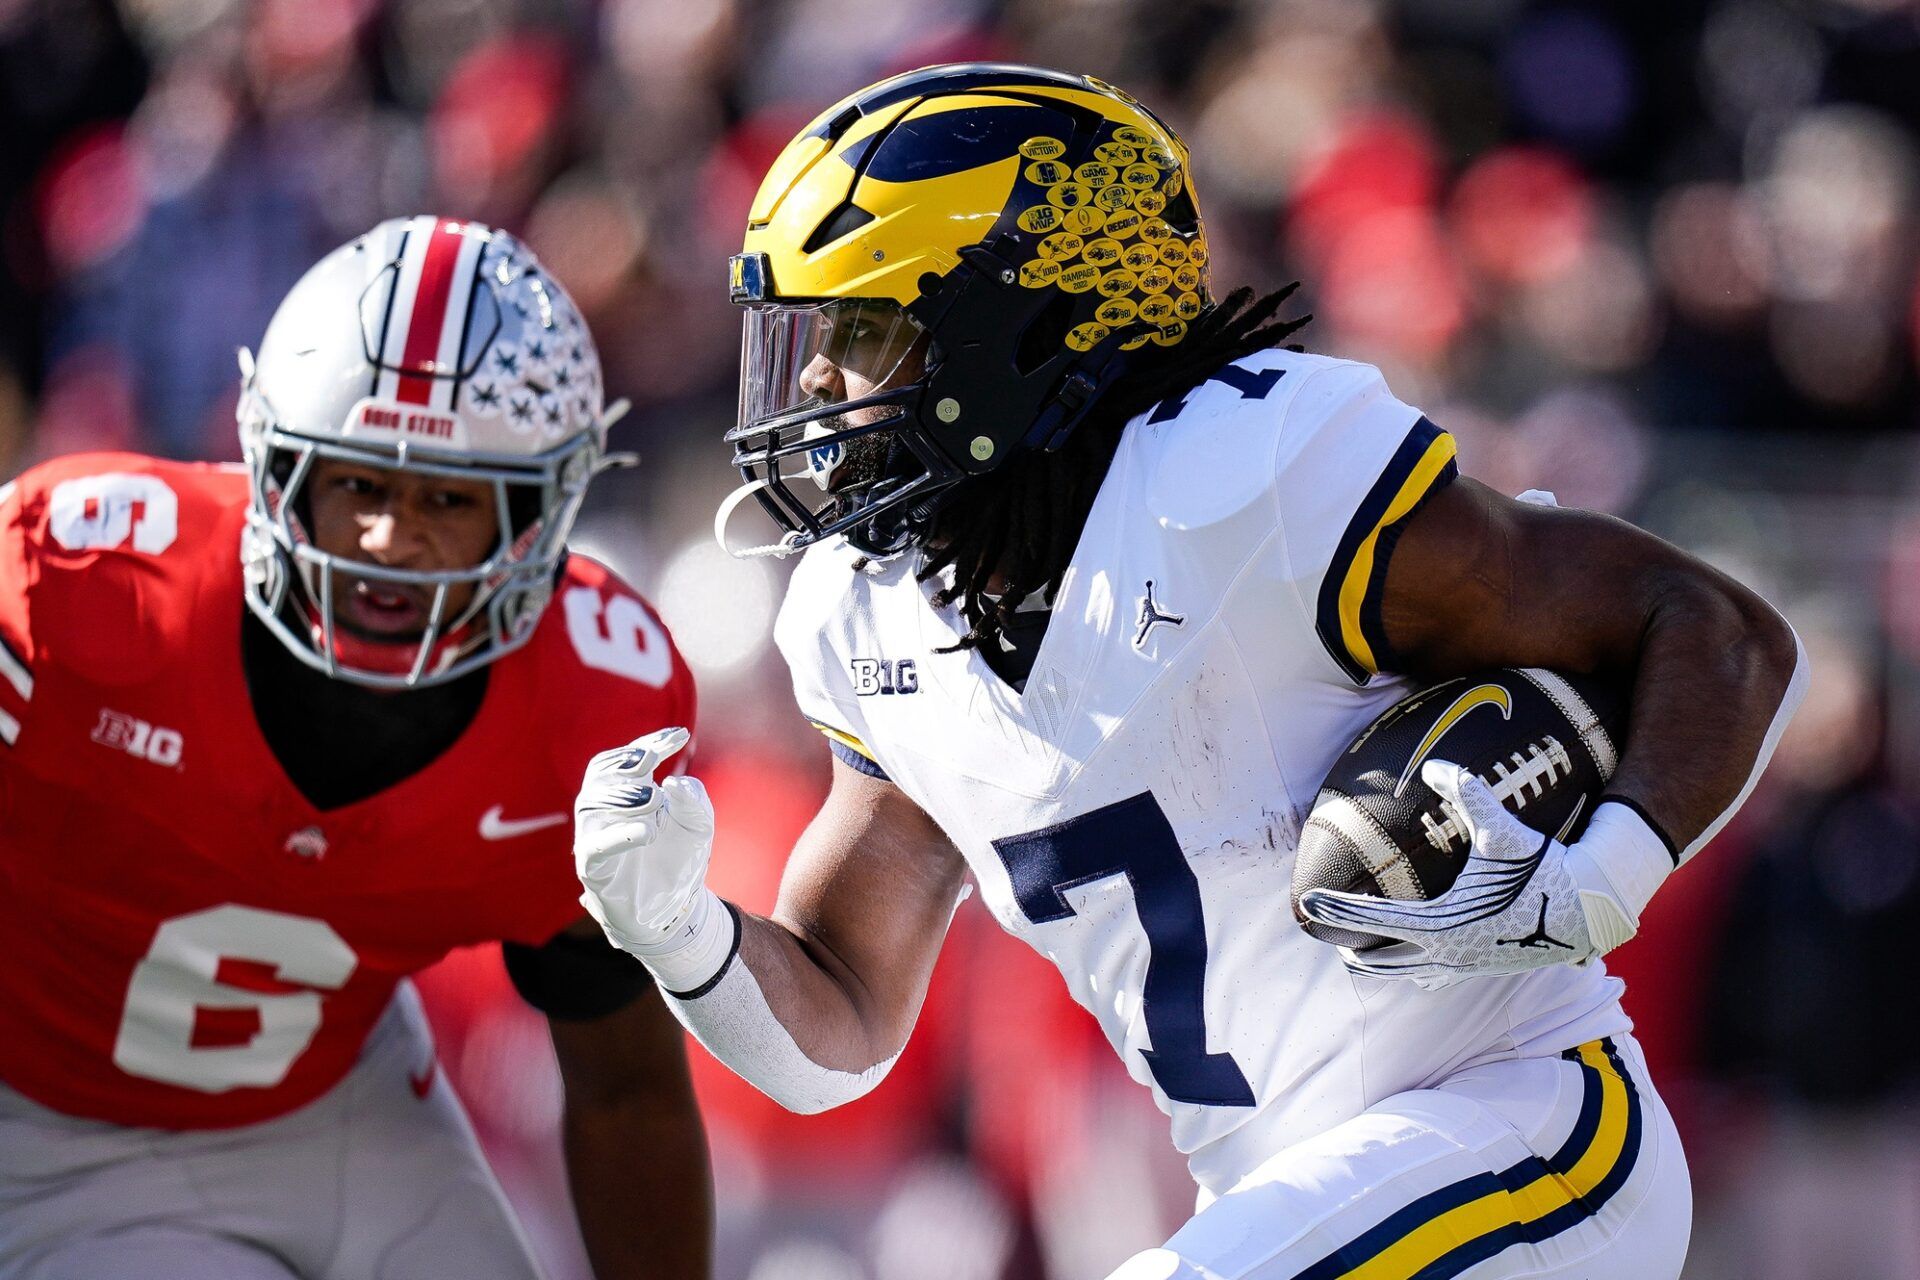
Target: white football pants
x=374, y=1181
x=1566, y=1167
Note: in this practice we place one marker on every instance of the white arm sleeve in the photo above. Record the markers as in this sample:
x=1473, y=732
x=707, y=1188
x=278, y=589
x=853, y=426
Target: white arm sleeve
x=733, y=1020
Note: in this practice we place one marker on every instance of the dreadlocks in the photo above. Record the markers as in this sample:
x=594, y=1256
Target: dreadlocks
x=1022, y=522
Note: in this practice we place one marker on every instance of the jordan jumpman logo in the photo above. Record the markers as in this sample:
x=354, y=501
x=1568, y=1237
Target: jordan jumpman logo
x=1151, y=616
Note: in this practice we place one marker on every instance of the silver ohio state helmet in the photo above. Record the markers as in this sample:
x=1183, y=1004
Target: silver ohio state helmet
x=434, y=347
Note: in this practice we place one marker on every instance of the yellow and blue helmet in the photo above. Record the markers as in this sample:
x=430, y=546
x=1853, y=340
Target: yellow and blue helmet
x=942, y=271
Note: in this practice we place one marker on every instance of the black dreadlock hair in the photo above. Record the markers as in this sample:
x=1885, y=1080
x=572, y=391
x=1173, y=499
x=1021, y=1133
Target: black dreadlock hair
x=1023, y=520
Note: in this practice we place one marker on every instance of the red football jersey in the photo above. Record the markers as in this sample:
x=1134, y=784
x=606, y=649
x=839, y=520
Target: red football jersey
x=190, y=943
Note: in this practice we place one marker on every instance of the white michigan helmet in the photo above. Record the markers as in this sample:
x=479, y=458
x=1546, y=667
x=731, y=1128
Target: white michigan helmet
x=436, y=347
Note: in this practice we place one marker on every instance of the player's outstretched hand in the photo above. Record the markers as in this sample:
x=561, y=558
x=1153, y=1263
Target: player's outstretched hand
x=641, y=846
x=1516, y=905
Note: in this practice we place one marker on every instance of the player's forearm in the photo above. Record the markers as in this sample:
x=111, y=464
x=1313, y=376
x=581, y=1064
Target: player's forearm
x=641, y=1189
x=812, y=1005
x=635, y=1145
x=789, y=1018
x=797, y=1035
x=1717, y=676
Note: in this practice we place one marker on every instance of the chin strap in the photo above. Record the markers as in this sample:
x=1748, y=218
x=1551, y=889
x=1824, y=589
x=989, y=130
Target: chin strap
x=785, y=547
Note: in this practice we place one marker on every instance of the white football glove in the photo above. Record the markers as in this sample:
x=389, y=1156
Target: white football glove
x=1522, y=901
x=641, y=849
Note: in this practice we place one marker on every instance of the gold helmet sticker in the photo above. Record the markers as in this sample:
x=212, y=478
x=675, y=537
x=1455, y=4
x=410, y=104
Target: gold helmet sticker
x=1187, y=306
x=1123, y=224
x=1116, y=312
x=1085, y=337
x=1160, y=158
x=1118, y=154
x=1168, y=334
x=1084, y=222
x=1039, y=273
x=1139, y=257
x=1042, y=148
x=1069, y=195
x=1197, y=251
x=1157, y=310
x=1143, y=177
x=1103, y=252
x=1174, y=184
x=1186, y=277
x=1079, y=278
x=1095, y=174
x=1154, y=230
x=1173, y=253
x=1149, y=202
x=1039, y=219
x=1060, y=246
x=1134, y=137
x=1115, y=283
x=1156, y=279
x=1113, y=198
x=1047, y=172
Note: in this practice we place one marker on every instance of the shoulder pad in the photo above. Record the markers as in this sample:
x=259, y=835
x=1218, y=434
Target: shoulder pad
x=605, y=665
x=1212, y=455
x=114, y=548
x=828, y=588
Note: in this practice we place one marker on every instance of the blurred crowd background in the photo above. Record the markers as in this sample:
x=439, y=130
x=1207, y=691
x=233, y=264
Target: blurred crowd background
x=1659, y=258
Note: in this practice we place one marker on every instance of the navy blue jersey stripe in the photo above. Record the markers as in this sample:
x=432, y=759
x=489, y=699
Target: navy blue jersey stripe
x=1371, y=1243
x=1365, y=524
x=854, y=760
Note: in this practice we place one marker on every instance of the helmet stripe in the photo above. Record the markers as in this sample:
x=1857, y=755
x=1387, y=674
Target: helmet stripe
x=459, y=307
x=426, y=323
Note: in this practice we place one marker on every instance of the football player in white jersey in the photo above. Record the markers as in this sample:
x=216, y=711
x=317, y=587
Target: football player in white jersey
x=1098, y=580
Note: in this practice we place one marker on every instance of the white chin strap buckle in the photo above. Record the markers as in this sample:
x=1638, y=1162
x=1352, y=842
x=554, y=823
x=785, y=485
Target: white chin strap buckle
x=785, y=547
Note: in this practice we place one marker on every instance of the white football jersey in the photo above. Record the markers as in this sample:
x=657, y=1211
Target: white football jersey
x=1132, y=815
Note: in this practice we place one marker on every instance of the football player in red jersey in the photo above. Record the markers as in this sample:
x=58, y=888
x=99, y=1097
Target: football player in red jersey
x=273, y=738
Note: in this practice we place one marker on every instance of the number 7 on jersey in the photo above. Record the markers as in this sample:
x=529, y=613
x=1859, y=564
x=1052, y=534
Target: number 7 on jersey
x=1133, y=838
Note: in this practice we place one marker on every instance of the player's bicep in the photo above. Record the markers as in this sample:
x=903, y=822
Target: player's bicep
x=869, y=891
x=1478, y=579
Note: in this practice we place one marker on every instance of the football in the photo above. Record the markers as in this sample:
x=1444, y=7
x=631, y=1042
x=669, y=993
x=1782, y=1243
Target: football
x=1546, y=743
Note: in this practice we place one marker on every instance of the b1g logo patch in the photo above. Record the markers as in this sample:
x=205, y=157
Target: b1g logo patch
x=139, y=739
x=885, y=675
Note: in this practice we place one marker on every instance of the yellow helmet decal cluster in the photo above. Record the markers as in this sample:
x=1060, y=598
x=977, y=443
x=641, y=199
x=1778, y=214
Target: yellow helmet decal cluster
x=1101, y=229
x=1083, y=224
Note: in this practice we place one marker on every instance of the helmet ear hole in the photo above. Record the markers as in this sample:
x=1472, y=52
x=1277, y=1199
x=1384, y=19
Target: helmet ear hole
x=1046, y=333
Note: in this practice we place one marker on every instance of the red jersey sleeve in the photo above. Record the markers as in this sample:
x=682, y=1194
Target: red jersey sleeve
x=95, y=549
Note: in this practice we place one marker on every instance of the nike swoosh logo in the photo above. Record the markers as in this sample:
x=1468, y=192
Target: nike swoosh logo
x=424, y=1081
x=1486, y=695
x=495, y=826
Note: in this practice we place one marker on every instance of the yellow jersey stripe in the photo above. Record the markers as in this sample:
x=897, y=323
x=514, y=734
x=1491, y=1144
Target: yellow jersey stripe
x=1348, y=616
x=1450, y=1230
x=844, y=738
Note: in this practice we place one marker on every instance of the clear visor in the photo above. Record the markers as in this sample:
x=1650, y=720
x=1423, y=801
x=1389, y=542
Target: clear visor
x=797, y=360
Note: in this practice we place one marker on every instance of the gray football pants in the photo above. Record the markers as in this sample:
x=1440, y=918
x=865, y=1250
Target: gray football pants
x=371, y=1182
